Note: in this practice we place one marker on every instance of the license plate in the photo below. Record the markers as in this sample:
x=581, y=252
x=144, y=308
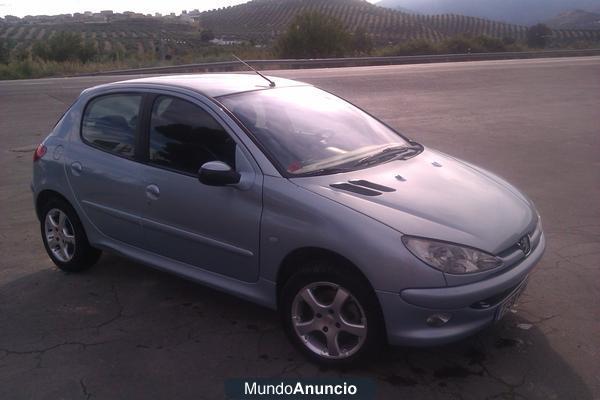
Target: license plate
x=510, y=302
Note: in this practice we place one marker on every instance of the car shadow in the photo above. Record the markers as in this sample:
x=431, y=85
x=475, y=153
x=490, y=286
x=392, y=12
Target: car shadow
x=123, y=330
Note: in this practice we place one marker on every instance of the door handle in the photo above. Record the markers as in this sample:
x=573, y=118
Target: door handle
x=152, y=192
x=76, y=168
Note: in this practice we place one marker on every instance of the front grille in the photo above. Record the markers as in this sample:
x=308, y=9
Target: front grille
x=495, y=299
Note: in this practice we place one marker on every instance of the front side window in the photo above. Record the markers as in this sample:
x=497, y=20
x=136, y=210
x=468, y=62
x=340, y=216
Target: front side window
x=307, y=130
x=110, y=122
x=183, y=136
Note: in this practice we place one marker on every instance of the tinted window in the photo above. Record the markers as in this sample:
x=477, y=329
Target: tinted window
x=110, y=122
x=183, y=136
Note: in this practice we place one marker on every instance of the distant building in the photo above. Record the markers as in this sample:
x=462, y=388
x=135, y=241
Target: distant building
x=225, y=42
x=195, y=15
x=11, y=19
x=186, y=18
x=104, y=16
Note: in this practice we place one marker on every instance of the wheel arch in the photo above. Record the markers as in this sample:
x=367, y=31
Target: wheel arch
x=45, y=196
x=296, y=258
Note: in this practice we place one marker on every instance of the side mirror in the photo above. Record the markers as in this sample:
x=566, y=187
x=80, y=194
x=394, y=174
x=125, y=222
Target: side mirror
x=217, y=173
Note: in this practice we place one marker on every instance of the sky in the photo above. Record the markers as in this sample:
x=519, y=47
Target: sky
x=21, y=8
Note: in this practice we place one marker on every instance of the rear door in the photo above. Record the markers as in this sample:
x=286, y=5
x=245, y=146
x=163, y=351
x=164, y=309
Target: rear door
x=101, y=166
x=213, y=228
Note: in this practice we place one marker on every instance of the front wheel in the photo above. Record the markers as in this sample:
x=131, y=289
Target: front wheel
x=331, y=315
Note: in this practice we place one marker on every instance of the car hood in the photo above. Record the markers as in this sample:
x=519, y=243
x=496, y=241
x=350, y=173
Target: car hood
x=436, y=196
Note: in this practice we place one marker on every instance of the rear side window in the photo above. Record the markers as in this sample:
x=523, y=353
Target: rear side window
x=183, y=136
x=110, y=122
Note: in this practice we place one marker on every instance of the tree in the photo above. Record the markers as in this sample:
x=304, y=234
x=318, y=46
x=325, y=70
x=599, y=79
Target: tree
x=4, y=52
x=417, y=47
x=461, y=44
x=509, y=40
x=490, y=44
x=206, y=35
x=361, y=42
x=64, y=46
x=537, y=35
x=314, y=35
x=87, y=52
x=20, y=54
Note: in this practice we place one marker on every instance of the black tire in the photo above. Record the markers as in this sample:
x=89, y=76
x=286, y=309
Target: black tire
x=83, y=255
x=329, y=271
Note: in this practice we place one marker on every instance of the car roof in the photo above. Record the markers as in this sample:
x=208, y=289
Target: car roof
x=214, y=85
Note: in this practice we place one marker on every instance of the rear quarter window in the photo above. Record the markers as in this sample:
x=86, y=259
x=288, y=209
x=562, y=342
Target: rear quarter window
x=110, y=122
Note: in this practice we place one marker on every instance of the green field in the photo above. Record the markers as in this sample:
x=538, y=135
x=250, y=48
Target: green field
x=141, y=37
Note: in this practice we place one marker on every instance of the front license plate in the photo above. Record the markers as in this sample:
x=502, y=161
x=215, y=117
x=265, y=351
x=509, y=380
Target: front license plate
x=510, y=302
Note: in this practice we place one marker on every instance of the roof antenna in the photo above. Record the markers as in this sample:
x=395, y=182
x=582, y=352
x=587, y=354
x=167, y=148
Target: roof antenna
x=271, y=83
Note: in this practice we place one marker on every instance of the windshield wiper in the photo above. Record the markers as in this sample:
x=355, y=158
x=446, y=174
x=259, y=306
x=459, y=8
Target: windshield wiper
x=388, y=154
x=324, y=171
x=384, y=155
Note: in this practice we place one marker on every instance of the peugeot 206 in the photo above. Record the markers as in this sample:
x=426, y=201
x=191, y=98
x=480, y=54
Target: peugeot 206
x=291, y=197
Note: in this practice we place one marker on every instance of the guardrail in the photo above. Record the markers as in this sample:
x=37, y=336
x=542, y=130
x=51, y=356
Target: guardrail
x=226, y=66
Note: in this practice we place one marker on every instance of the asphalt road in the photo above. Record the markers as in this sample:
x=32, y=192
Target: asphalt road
x=124, y=331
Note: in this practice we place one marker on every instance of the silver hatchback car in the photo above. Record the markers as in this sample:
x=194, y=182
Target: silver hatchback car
x=290, y=197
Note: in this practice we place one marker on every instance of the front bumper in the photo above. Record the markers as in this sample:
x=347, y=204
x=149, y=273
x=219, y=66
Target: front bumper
x=405, y=313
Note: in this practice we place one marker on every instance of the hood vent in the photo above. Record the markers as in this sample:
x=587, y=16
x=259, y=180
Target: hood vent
x=363, y=187
x=355, y=189
x=371, y=185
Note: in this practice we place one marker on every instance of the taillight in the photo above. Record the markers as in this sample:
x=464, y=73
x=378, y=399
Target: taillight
x=39, y=152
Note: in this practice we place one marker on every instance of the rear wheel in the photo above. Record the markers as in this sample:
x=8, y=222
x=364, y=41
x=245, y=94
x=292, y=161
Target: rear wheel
x=331, y=315
x=64, y=237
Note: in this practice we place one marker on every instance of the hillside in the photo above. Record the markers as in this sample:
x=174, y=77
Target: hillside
x=263, y=20
x=576, y=19
x=512, y=11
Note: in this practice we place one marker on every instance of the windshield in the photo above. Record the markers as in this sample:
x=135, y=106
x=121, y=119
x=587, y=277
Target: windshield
x=308, y=130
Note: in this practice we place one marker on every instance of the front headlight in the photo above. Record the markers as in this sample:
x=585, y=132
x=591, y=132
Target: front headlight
x=450, y=258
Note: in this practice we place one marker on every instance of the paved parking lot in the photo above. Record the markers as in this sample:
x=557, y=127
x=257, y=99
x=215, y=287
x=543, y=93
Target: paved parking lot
x=124, y=331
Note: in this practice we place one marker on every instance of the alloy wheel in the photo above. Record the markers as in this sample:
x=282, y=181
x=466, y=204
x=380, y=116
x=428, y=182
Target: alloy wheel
x=60, y=235
x=329, y=320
